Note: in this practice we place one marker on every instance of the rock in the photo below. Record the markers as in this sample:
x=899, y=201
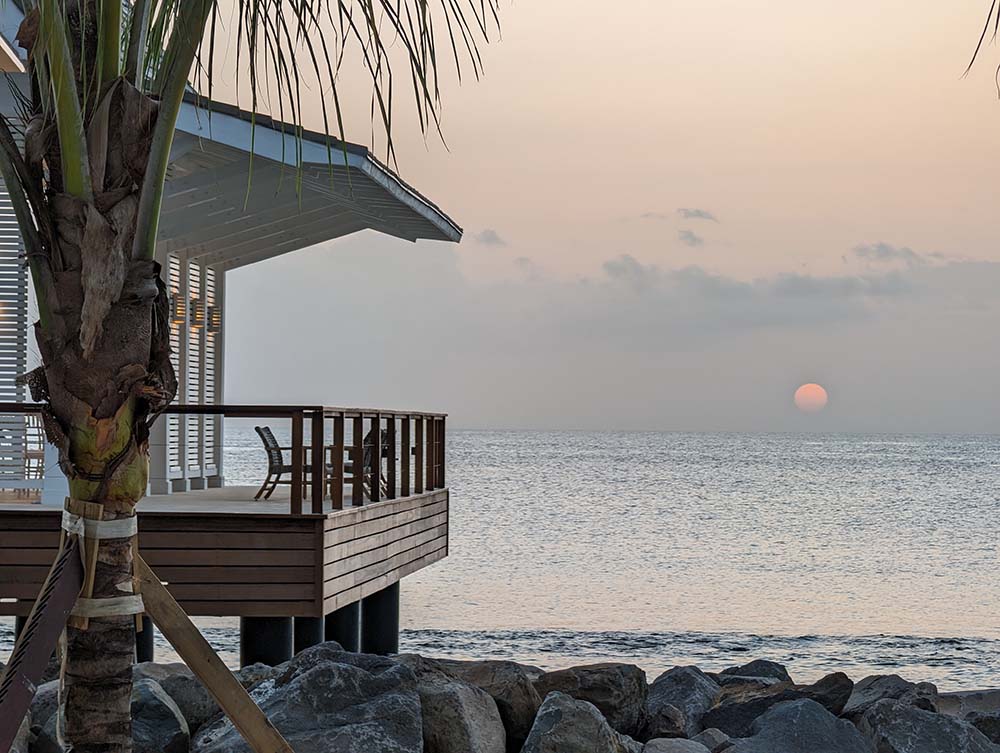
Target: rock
x=667, y=745
x=617, y=690
x=45, y=737
x=754, y=682
x=44, y=705
x=801, y=726
x=457, y=717
x=687, y=689
x=832, y=692
x=23, y=737
x=195, y=703
x=713, y=739
x=330, y=701
x=875, y=688
x=158, y=726
x=760, y=668
x=987, y=722
x=510, y=686
x=899, y=727
x=255, y=674
x=668, y=721
x=961, y=703
x=738, y=706
x=567, y=725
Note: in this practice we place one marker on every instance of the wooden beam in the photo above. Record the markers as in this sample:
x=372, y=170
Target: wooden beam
x=192, y=647
x=358, y=462
x=405, y=453
x=337, y=461
x=318, y=461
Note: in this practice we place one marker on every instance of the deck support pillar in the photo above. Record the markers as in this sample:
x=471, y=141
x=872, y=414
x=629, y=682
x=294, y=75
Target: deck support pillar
x=308, y=633
x=19, y=623
x=265, y=640
x=380, y=621
x=344, y=626
x=144, y=641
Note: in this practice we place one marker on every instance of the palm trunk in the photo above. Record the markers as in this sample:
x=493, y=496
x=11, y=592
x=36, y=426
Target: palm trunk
x=100, y=406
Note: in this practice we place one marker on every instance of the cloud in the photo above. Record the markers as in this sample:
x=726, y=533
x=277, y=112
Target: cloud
x=696, y=214
x=885, y=253
x=630, y=345
x=655, y=216
x=490, y=237
x=690, y=238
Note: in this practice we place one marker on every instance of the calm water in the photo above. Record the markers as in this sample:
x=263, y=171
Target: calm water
x=862, y=553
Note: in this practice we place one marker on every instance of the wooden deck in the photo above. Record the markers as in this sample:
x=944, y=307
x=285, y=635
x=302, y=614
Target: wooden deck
x=222, y=554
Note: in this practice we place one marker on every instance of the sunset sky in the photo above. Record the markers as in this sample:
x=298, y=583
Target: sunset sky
x=676, y=213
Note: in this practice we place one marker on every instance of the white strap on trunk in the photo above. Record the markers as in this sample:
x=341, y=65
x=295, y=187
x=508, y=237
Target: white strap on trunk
x=118, y=606
x=123, y=528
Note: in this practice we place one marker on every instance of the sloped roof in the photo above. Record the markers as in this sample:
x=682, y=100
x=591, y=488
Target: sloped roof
x=226, y=207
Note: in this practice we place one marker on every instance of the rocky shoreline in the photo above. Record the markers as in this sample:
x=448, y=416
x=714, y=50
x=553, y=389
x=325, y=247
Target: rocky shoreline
x=327, y=700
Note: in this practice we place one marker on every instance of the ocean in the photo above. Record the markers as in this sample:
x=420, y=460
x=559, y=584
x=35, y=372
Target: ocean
x=861, y=553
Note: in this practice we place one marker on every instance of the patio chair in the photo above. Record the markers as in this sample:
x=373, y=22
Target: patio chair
x=368, y=443
x=276, y=465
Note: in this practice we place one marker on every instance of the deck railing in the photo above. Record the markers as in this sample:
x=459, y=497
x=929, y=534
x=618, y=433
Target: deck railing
x=410, y=456
x=405, y=450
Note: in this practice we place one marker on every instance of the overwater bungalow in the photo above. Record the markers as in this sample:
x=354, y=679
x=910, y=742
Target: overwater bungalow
x=353, y=503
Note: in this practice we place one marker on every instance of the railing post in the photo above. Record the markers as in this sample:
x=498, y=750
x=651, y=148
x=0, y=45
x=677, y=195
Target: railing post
x=442, y=454
x=375, y=490
x=318, y=461
x=405, y=453
x=297, y=479
x=337, y=463
x=358, y=462
x=430, y=454
x=390, y=461
x=418, y=457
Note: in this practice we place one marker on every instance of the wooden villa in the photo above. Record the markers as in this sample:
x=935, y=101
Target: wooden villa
x=362, y=500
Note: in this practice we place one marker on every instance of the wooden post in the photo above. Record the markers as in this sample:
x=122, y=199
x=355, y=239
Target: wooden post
x=358, y=462
x=344, y=626
x=375, y=491
x=430, y=454
x=405, y=453
x=380, y=621
x=337, y=461
x=442, y=454
x=418, y=457
x=390, y=461
x=296, y=504
x=318, y=460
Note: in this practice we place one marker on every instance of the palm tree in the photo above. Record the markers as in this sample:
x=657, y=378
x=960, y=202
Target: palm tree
x=85, y=161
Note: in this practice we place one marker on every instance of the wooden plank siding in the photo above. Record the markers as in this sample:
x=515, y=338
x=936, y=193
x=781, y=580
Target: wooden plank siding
x=246, y=564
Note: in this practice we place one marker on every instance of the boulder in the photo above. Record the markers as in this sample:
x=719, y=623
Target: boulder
x=961, y=703
x=195, y=702
x=987, y=722
x=738, y=706
x=44, y=705
x=511, y=688
x=567, y=725
x=875, y=688
x=899, y=727
x=158, y=726
x=755, y=682
x=714, y=739
x=23, y=738
x=668, y=745
x=761, y=668
x=326, y=700
x=668, y=721
x=687, y=689
x=457, y=717
x=617, y=690
x=801, y=726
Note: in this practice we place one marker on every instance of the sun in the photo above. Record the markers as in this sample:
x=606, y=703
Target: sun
x=811, y=398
